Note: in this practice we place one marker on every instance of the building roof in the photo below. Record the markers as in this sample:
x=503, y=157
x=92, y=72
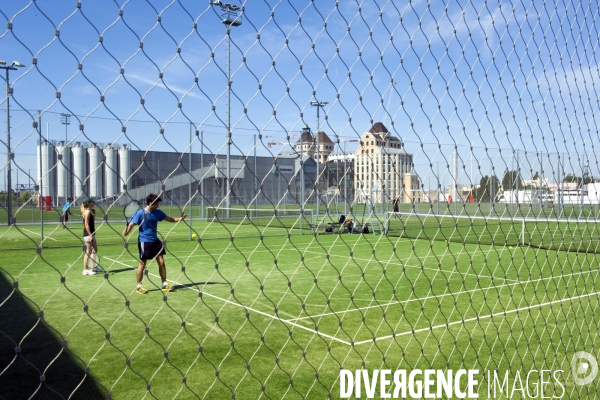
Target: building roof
x=379, y=131
x=378, y=128
x=307, y=137
x=324, y=139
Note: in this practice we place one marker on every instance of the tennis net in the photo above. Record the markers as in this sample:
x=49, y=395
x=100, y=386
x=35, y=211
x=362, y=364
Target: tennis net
x=290, y=219
x=578, y=235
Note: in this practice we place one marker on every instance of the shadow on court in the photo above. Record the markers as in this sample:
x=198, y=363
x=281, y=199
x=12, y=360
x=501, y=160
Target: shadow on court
x=191, y=285
x=117, y=271
x=33, y=357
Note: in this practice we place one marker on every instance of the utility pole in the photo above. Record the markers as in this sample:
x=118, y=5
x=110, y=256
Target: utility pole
x=319, y=105
x=230, y=17
x=13, y=66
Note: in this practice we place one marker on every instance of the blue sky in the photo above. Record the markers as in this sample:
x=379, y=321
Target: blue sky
x=478, y=76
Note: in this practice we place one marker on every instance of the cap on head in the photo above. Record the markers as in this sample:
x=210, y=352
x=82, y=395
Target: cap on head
x=88, y=200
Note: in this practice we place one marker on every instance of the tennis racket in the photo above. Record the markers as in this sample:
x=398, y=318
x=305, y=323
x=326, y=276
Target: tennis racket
x=95, y=262
x=130, y=209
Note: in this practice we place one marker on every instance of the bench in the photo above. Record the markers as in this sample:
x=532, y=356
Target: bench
x=335, y=227
x=373, y=226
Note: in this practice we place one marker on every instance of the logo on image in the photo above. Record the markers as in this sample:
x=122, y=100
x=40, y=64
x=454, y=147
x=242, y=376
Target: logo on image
x=584, y=368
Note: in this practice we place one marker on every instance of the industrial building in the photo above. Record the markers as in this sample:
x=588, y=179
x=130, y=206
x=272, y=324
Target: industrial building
x=117, y=174
x=114, y=173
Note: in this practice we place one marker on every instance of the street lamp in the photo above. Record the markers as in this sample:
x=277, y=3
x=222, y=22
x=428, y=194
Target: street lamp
x=319, y=105
x=230, y=17
x=14, y=66
x=65, y=121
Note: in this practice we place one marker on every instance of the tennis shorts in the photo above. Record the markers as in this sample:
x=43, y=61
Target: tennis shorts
x=89, y=239
x=150, y=250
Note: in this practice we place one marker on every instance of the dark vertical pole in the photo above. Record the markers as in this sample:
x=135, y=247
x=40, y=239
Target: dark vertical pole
x=8, y=155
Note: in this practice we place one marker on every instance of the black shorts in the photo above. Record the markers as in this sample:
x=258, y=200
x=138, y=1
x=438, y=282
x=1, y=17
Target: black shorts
x=150, y=250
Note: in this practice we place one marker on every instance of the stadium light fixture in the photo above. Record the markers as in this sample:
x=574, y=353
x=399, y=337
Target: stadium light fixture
x=65, y=120
x=13, y=66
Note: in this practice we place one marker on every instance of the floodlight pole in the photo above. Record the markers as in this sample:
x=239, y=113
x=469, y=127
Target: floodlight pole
x=14, y=66
x=65, y=121
x=319, y=105
x=584, y=175
x=306, y=129
x=228, y=177
x=345, y=181
x=230, y=18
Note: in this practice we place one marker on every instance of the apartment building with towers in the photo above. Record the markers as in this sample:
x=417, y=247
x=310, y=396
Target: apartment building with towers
x=383, y=169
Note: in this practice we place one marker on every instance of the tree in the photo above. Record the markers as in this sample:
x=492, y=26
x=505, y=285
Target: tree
x=24, y=197
x=487, y=187
x=512, y=180
x=569, y=178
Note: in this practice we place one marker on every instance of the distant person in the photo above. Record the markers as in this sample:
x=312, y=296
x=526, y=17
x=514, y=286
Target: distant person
x=66, y=211
x=395, y=204
x=348, y=225
x=88, y=213
x=149, y=245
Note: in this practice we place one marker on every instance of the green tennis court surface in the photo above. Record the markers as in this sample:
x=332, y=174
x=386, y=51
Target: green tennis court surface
x=289, y=309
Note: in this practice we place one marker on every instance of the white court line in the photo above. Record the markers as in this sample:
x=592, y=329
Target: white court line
x=448, y=324
x=478, y=318
x=242, y=306
x=387, y=263
x=391, y=303
x=39, y=234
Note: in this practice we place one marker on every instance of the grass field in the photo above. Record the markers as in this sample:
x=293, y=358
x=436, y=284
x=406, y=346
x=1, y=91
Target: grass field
x=260, y=312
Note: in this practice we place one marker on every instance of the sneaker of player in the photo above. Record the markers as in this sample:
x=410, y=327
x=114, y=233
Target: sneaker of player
x=90, y=272
x=85, y=272
x=167, y=288
x=141, y=290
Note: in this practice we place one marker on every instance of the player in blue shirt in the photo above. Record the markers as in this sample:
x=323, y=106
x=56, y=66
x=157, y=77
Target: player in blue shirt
x=149, y=245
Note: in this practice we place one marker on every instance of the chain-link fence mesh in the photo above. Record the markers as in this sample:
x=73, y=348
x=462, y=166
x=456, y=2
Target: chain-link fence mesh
x=379, y=185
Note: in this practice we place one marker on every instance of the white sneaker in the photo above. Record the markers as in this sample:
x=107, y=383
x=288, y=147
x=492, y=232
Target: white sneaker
x=90, y=272
x=85, y=272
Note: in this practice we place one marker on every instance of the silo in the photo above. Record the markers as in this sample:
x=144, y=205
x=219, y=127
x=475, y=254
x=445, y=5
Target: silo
x=95, y=172
x=63, y=173
x=110, y=171
x=124, y=168
x=79, y=175
x=45, y=169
